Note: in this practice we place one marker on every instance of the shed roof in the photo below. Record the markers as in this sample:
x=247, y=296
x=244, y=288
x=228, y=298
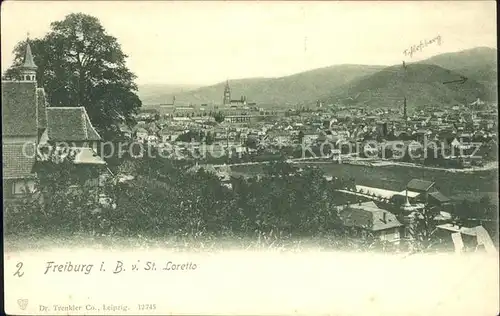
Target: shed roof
x=419, y=185
x=438, y=196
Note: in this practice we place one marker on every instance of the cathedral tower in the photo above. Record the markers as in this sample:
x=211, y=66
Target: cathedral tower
x=227, y=95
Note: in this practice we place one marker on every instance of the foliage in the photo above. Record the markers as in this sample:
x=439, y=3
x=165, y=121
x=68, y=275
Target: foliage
x=423, y=228
x=79, y=64
x=300, y=137
x=469, y=212
x=66, y=199
x=252, y=142
x=219, y=117
x=170, y=199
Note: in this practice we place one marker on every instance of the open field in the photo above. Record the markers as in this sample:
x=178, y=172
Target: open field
x=458, y=185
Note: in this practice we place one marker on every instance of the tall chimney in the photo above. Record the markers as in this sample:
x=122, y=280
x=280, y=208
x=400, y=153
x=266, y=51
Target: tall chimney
x=405, y=116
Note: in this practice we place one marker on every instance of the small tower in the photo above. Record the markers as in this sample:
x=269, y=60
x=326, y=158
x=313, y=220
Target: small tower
x=27, y=70
x=227, y=94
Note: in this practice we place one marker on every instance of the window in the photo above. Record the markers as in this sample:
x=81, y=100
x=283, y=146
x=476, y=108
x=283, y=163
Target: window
x=22, y=187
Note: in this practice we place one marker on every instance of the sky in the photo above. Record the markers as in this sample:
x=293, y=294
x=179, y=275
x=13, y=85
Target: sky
x=204, y=43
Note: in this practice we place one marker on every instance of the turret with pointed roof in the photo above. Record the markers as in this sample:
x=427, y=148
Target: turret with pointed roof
x=28, y=68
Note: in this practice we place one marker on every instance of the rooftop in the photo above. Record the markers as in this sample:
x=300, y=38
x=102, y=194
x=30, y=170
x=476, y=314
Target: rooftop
x=28, y=59
x=18, y=161
x=419, y=185
x=87, y=156
x=438, y=196
x=368, y=216
x=70, y=124
x=19, y=108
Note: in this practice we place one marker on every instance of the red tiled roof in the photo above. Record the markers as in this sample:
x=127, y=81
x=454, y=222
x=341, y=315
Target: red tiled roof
x=19, y=108
x=42, y=105
x=70, y=124
x=18, y=160
x=92, y=134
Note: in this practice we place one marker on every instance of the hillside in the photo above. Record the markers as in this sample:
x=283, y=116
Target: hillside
x=298, y=88
x=421, y=84
x=161, y=93
x=478, y=63
x=355, y=84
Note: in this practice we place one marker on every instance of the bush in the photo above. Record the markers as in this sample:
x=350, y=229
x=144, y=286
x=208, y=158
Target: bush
x=168, y=201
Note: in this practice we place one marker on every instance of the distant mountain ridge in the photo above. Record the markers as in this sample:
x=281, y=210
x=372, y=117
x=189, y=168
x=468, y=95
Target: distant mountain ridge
x=478, y=63
x=351, y=84
x=162, y=93
x=293, y=89
x=421, y=84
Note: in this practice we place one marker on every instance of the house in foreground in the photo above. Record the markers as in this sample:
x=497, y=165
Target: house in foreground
x=31, y=129
x=367, y=218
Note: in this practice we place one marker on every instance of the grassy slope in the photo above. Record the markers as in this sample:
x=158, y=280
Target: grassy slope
x=421, y=84
x=161, y=93
x=478, y=63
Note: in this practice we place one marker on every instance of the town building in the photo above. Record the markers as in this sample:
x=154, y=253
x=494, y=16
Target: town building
x=227, y=101
x=367, y=218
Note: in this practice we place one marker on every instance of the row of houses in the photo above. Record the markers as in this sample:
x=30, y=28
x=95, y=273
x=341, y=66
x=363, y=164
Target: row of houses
x=391, y=214
x=398, y=222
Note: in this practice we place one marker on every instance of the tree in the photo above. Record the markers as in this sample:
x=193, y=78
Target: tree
x=219, y=117
x=79, y=64
x=300, y=136
x=209, y=138
x=423, y=228
x=251, y=142
x=65, y=198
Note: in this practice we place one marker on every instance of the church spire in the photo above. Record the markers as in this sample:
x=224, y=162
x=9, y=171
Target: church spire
x=28, y=68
